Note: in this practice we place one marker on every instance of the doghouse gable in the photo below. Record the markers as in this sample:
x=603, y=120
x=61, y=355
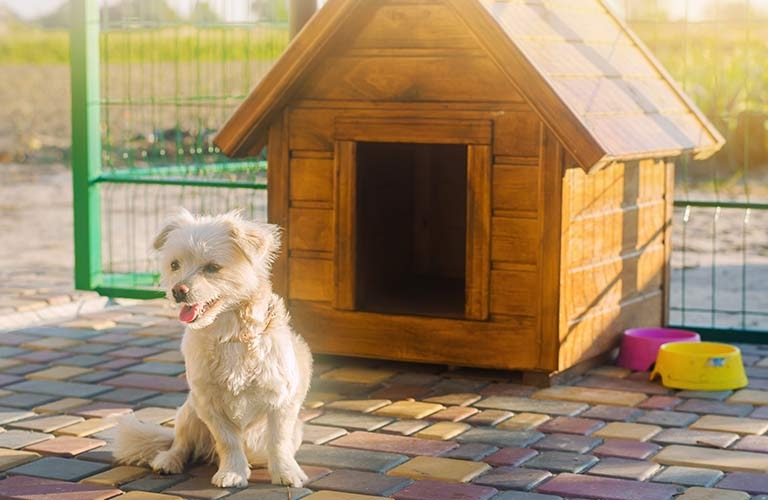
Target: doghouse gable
x=507, y=103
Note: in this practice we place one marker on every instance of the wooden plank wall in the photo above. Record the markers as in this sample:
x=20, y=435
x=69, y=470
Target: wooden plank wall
x=419, y=62
x=613, y=264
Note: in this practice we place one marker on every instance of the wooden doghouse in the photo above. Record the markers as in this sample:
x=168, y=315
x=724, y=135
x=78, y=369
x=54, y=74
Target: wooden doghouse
x=471, y=182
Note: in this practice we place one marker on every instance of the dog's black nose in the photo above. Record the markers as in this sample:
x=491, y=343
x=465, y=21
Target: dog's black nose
x=180, y=292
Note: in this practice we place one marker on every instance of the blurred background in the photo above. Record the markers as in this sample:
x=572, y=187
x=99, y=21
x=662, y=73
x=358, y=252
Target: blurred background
x=171, y=71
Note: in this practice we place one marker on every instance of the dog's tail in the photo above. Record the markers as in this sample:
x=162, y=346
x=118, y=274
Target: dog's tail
x=137, y=443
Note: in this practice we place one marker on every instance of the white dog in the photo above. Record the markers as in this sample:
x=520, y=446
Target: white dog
x=248, y=372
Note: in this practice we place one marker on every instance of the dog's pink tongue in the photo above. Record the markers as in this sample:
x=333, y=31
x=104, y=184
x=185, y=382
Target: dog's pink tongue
x=188, y=313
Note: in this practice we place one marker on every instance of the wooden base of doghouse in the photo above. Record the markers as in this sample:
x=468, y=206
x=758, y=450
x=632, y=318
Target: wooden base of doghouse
x=511, y=344
x=545, y=379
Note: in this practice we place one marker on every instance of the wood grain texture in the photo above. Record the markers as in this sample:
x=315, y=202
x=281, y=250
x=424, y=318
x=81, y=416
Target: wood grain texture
x=414, y=130
x=345, y=202
x=277, y=201
x=426, y=25
x=515, y=240
x=311, y=179
x=406, y=77
x=311, y=229
x=550, y=210
x=311, y=279
x=517, y=134
x=515, y=293
x=515, y=188
x=502, y=343
x=478, y=244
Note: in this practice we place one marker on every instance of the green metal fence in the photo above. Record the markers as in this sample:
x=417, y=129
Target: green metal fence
x=150, y=87
x=718, y=51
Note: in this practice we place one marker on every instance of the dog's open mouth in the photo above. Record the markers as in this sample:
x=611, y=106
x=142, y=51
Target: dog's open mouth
x=192, y=312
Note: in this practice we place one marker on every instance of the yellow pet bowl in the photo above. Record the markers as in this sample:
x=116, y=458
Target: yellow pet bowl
x=703, y=366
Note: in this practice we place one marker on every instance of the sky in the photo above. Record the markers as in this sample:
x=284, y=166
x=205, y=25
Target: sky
x=28, y=9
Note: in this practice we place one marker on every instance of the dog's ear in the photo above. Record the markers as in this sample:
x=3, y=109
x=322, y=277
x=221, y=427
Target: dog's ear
x=259, y=241
x=179, y=219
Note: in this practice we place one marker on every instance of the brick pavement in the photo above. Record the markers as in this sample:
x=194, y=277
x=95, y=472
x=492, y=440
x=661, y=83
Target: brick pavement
x=374, y=429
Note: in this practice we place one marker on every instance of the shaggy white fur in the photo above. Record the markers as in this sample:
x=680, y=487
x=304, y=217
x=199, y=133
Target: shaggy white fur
x=247, y=370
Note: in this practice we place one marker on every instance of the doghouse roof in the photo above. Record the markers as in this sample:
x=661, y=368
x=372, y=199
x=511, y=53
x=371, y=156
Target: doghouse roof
x=579, y=67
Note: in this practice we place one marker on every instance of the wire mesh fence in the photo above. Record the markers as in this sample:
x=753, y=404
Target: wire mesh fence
x=168, y=79
x=718, y=51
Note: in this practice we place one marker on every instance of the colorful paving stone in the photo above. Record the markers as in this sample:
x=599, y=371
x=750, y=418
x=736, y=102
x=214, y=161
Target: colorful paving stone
x=453, y=414
x=343, y=458
x=562, y=461
x=572, y=425
x=500, y=437
x=520, y=404
x=626, y=449
x=590, y=395
x=752, y=483
x=359, y=405
x=688, y=476
x=697, y=493
x=470, y=451
x=513, y=457
x=405, y=427
x=443, y=430
x=13, y=458
x=694, y=437
x=426, y=489
x=716, y=407
x=46, y=423
x=65, y=469
x=488, y=417
x=737, y=425
x=629, y=431
x=638, y=470
x=149, y=382
x=567, y=442
x=667, y=418
x=517, y=478
x=352, y=421
x=524, y=421
x=65, y=446
x=606, y=488
x=117, y=476
x=365, y=483
x=409, y=409
x=358, y=375
x=456, y=399
x=35, y=488
x=319, y=434
x=725, y=460
x=394, y=444
x=442, y=469
x=515, y=435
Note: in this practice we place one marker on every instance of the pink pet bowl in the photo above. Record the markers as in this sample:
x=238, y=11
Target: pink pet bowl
x=640, y=346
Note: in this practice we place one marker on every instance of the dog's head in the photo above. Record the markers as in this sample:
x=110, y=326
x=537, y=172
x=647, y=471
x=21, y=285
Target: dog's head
x=211, y=263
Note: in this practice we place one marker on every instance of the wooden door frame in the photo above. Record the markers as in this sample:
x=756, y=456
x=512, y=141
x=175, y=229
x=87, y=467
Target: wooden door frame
x=476, y=135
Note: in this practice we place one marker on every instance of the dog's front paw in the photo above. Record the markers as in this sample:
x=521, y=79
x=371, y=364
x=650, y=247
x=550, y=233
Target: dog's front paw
x=167, y=462
x=289, y=475
x=230, y=479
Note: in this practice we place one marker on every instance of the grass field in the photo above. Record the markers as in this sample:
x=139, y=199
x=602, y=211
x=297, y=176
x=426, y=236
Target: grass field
x=131, y=45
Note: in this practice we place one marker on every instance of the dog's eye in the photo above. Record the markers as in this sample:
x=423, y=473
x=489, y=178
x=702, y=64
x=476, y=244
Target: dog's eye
x=175, y=265
x=212, y=268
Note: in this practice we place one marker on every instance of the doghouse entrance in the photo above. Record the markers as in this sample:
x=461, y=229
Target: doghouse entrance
x=411, y=228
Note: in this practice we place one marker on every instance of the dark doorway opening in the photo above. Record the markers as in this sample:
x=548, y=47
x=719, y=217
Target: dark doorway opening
x=411, y=228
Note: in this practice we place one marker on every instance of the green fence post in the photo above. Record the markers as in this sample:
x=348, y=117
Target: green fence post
x=86, y=142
